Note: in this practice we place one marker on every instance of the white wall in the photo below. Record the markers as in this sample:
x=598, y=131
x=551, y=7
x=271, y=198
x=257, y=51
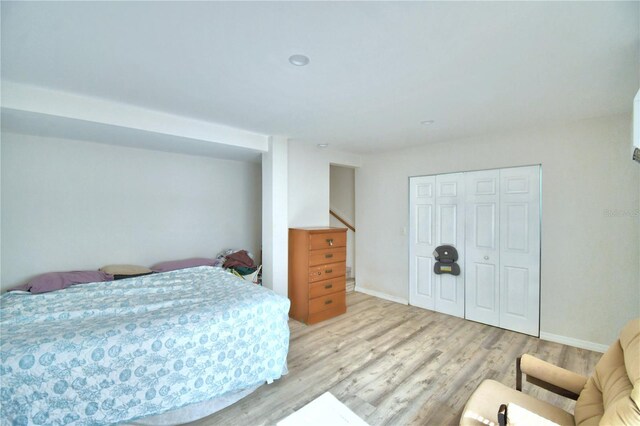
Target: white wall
x=308, y=186
x=69, y=205
x=590, y=270
x=309, y=182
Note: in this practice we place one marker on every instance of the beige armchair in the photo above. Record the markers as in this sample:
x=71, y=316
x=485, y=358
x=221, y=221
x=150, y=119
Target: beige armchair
x=611, y=396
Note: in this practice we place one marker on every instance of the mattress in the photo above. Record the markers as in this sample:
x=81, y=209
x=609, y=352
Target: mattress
x=113, y=352
x=195, y=411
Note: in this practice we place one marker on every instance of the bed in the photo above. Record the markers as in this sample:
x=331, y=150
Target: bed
x=120, y=351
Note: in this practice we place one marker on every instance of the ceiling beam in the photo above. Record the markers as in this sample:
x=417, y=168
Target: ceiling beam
x=97, y=110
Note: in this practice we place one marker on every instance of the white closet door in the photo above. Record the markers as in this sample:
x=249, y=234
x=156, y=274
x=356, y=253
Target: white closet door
x=482, y=252
x=520, y=249
x=492, y=217
x=422, y=241
x=450, y=230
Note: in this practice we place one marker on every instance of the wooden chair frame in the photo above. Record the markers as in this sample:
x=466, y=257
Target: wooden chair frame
x=541, y=383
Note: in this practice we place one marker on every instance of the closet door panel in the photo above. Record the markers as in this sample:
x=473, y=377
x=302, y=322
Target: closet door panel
x=424, y=278
x=450, y=231
x=485, y=289
x=482, y=254
x=484, y=223
x=516, y=295
x=422, y=212
x=520, y=249
x=517, y=230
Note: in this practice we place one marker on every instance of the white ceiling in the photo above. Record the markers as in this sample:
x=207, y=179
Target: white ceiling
x=377, y=68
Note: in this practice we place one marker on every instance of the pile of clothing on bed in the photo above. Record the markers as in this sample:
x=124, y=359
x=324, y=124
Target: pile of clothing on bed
x=241, y=263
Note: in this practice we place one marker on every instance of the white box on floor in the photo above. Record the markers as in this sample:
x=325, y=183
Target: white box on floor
x=322, y=411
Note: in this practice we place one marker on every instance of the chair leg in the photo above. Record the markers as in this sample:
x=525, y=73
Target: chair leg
x=518, y=375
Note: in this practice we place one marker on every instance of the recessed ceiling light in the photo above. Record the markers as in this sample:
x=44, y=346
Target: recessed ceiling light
x=323, y=145
x=298, y=60
x=427, y=122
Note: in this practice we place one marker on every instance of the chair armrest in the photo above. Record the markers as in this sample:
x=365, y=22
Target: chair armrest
x=548, y=376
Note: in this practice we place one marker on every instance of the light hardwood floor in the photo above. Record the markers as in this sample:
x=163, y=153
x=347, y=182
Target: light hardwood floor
x=394, y=364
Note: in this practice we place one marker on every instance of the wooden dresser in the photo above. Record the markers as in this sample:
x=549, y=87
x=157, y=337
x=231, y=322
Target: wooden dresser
x=317, y=267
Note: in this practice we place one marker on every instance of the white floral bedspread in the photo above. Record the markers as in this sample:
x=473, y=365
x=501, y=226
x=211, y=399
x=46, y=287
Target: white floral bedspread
x=110, y=352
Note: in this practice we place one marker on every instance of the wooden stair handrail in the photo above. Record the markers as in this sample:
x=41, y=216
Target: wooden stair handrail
x=344, y=222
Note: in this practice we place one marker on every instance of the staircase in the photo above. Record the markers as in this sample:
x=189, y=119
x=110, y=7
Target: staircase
x=351, y=284
x=351, y=281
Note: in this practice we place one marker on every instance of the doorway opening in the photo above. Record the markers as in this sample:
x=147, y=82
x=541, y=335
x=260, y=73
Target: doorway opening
x=342, y=212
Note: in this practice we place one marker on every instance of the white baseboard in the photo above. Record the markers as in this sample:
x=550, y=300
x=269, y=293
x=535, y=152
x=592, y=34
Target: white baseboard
x=583, y=344
x=381, y=295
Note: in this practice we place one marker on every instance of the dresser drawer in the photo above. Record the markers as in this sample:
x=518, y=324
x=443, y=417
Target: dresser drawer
x=323, y=288
x=327, y=240
x=326, y=272
x=330, y=301
x=316, y=317
x=332, y=255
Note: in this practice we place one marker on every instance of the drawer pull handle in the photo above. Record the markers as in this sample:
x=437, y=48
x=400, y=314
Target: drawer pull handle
x=328, y=256
x=328, y=271
x=330, y=241
x=328, y=302
x=328, y=286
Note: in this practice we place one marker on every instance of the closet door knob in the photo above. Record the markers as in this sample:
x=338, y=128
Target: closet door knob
x=486, y=258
